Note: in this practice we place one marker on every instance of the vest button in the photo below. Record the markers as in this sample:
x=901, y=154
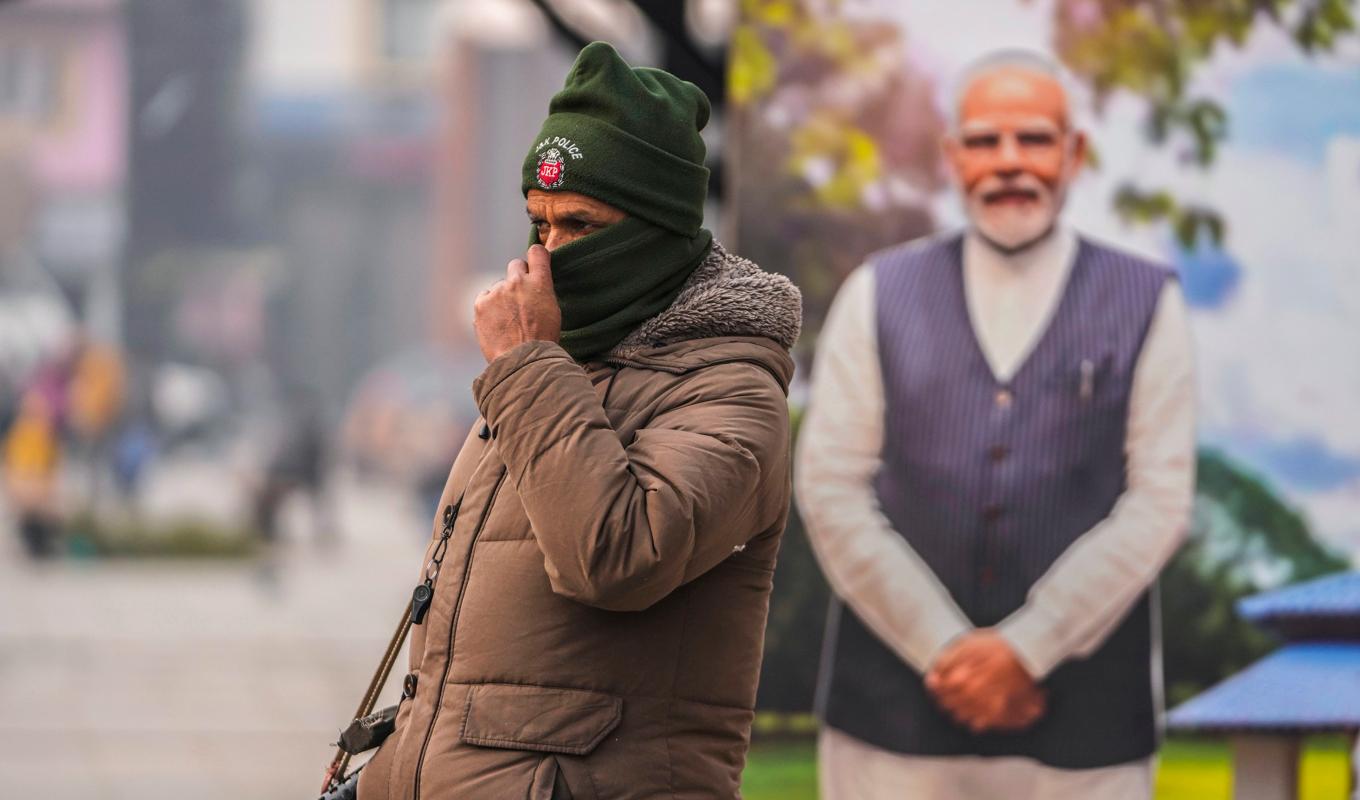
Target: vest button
x=408, y=685
x=1004, y=398
x=998, y=452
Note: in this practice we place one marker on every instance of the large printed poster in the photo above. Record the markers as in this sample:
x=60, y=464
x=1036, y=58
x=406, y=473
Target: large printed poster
x=1226, y=142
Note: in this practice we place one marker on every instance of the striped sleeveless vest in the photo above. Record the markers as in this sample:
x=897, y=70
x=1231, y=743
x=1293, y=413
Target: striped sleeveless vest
x=990, y=482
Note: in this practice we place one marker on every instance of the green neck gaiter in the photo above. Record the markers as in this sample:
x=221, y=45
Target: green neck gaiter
x=613, y=280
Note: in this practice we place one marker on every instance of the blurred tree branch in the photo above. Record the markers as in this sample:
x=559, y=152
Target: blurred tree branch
x=834, y=143
x=1151, y=49
x=682, y=54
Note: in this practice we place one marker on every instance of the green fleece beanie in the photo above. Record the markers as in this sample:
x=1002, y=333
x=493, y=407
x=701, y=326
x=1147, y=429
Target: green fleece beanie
x=628, y=137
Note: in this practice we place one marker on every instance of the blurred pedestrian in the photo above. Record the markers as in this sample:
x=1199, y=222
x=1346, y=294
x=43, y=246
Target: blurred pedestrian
x=94, y=404
x=32, y=457
x=96, y=389
x=297, y=466
x=134, y=449
x=997, y=462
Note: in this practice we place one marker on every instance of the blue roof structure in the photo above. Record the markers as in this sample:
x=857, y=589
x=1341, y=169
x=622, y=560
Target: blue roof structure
x=1300, y=688
x=1332, y=596
x=1322, y=610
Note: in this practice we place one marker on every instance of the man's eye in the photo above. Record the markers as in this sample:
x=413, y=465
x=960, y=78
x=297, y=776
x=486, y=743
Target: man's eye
x=579, y=227
x=1036, y=139
x=981, y=142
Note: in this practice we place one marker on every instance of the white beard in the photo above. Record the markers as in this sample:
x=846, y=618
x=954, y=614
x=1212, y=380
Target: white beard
x=1013, y=229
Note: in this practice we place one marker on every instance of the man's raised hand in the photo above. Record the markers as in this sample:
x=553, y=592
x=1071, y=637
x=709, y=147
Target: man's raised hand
x=522, y=308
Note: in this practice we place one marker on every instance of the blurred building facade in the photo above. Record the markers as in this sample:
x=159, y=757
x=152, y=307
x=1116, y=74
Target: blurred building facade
x=189, y=154
x=341, y=124
x=310, y=186
x=63, y=111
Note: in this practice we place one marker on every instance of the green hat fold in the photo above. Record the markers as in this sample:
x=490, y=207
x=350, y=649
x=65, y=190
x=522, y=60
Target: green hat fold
x=628, y=137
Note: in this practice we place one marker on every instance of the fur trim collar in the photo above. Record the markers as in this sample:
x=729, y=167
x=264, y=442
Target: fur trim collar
x=726, y=296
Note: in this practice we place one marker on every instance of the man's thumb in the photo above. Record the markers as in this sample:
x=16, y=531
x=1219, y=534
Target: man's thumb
x=540, y=263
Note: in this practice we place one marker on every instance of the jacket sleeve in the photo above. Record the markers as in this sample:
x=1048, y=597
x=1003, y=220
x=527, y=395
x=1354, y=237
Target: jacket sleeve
x=869, y=565
x=622, y=527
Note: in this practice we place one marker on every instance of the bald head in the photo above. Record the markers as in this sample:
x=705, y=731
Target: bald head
x=1017, y=91
x=1009, y=76
x=1013, y=151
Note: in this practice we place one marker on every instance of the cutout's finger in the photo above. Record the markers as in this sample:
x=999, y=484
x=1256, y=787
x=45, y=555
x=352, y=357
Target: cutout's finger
x=517, y=268
x=944, y=667
x=959, y=674
x=957, y=703
x=950, y=695
x=953, y=659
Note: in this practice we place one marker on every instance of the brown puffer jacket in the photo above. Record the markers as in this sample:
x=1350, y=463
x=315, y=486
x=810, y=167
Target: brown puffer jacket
x=597, y=624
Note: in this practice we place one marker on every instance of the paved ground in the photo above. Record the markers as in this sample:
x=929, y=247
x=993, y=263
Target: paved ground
x=176, y=680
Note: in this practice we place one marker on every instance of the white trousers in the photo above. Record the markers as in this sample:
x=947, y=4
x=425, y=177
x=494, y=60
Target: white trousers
x=850, y=769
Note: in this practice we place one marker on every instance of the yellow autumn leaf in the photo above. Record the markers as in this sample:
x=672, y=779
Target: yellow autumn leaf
x=752, y=71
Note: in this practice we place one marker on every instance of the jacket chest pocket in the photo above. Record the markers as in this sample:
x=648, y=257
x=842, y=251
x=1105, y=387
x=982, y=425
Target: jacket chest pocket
x=558, y=728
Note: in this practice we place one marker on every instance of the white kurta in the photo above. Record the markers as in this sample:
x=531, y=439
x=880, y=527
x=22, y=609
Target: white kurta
x=1076, y=604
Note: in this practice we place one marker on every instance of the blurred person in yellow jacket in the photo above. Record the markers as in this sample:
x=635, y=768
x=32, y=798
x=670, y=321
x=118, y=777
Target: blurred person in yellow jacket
x=32, y=455
x=94, y=405
x=95, y=395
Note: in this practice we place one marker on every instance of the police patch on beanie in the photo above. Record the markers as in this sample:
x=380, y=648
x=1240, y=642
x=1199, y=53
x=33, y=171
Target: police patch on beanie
x=552, y=162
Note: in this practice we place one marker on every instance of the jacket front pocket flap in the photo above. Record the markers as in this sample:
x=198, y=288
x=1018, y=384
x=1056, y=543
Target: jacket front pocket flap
x=542, y=718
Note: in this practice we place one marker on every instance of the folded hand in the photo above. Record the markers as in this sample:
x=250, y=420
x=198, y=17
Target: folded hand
x=981, y=683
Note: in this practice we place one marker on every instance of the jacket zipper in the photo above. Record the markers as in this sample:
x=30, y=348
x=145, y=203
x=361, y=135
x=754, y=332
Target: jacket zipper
x=453, y=626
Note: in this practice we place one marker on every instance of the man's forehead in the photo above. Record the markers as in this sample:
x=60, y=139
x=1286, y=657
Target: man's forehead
x=995, y=123
x=1014, y=91
x=559, y=199
x=566, y=203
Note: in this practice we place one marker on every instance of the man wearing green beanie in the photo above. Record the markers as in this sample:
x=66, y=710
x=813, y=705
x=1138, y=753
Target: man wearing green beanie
x=599, y=571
